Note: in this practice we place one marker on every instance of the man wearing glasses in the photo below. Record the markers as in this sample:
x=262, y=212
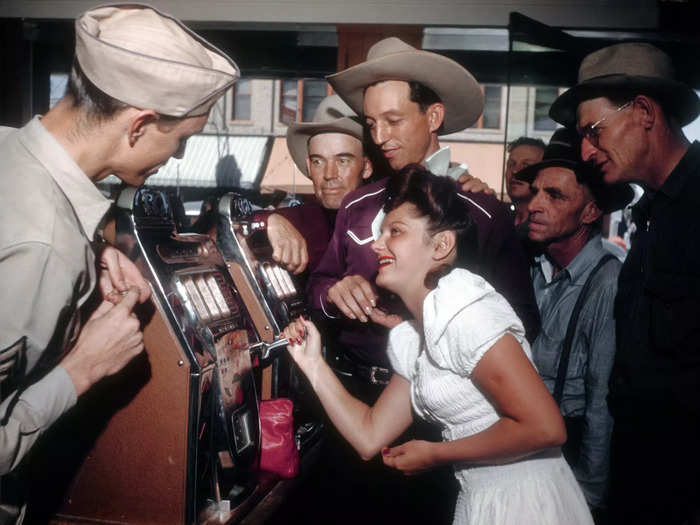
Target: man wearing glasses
x=630, y=110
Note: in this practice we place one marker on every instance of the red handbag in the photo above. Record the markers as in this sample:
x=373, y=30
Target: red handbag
x=279, y=451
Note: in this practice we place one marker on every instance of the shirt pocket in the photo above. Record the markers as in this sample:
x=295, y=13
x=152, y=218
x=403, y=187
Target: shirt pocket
x=674, y=311
x=549, y=349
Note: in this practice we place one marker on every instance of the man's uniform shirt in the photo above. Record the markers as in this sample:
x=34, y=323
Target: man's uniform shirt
x=49, y=212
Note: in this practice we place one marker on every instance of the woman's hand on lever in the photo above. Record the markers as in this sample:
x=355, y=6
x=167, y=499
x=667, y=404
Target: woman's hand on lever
x=304, y=346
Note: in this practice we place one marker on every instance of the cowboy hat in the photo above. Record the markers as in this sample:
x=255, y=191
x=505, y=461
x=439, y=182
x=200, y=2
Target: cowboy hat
x=393, y=59
x=563, y=150
x=632, y=67
x=332, y=116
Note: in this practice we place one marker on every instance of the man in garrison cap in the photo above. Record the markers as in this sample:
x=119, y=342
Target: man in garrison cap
x=629, y=109
x=140, y=85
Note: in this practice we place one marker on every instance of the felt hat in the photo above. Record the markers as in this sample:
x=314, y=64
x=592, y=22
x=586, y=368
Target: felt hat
x=150, y=60
x=632, y=67
x=564, y=150
x=332, y=116
x=393, y=59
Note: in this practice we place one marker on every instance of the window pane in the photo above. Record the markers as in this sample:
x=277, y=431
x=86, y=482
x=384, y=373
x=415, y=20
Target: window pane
x=243, y=86
x=241, y=100
x=288, y=101
x=58, y=83
x=492, y=107
x=544, y=97
x=314, y=92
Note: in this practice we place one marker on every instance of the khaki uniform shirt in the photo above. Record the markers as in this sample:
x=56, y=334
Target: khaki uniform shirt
x=49, y=212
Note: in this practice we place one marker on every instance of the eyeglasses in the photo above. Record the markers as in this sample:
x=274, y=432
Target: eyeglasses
x=591, y=132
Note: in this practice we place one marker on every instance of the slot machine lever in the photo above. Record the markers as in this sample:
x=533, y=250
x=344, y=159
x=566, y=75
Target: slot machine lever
x=263, y=349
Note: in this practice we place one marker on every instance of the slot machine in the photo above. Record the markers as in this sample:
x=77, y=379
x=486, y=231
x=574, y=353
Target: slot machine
x=175, y=437
x=271, y=293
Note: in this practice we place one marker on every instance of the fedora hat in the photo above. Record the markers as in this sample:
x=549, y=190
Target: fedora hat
x=564, y=150
x=150, y=60
x=332, y=116
x=393, y=59
x=632, y=67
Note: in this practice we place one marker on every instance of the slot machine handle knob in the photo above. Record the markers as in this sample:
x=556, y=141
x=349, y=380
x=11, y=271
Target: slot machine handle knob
x=263, y=349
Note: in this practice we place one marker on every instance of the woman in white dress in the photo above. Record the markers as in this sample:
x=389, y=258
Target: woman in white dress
x=462, y=362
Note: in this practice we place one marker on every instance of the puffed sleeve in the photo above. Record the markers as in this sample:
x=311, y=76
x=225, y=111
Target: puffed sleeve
x=471, y=332
x=403, y=348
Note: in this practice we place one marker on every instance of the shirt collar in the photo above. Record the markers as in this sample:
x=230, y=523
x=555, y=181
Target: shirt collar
x=577, y=268
x=88, y=203
x=689, y=164
x=439, y=162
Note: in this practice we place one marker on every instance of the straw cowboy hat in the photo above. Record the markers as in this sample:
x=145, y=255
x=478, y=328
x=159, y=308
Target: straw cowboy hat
x=563, y=150
x=332, y=116
x=150, y=60
x=632, y=67
x=393, y=59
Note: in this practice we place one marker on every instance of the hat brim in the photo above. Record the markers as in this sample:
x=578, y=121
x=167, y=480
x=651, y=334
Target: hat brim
x=675, y=97
x=299, y=133
x=529, y=173
x=457, y=88
x=608, y=197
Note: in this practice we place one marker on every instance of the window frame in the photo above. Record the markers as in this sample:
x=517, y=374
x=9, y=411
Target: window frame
x=299, y=98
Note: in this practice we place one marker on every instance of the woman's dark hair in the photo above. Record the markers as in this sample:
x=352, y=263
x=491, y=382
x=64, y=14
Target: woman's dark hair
x=437, y=198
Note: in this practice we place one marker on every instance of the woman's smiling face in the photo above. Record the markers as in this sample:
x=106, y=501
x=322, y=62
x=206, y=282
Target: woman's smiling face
x=404, y=249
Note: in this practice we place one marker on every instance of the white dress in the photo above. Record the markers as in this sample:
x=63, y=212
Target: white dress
x=464, y=317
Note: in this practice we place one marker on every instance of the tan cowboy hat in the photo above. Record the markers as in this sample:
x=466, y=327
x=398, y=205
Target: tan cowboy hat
x=150, y=60
x=632, y=67
x=332, y=116
x=393, y=59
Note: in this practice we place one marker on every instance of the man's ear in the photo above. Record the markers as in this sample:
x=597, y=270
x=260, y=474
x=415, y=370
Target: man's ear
x=444, y=244
x=367, y=168
x=137, y=126
x=436, y=116
x=591, y=212
x=648, y=110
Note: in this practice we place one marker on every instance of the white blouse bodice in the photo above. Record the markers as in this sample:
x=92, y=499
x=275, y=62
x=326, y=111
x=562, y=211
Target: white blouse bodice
x=463, y=317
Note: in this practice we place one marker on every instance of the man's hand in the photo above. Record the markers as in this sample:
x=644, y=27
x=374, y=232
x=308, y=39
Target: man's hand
x=118, y=274
x=288, y=245
x=109, y=340
x=471, y=183
x=412, y=457
x=354, y=296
